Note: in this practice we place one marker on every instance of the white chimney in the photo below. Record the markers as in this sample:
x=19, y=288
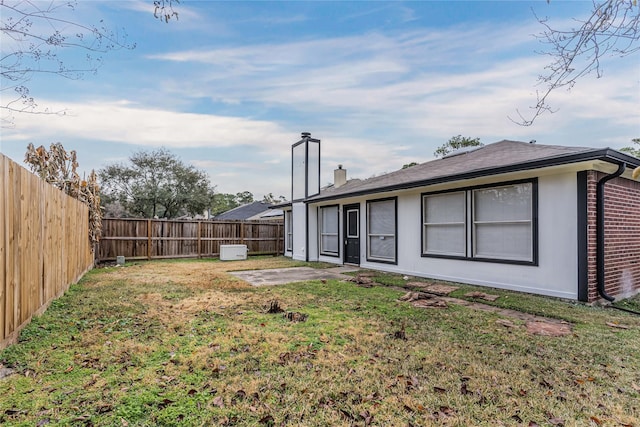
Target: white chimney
x=339, y=177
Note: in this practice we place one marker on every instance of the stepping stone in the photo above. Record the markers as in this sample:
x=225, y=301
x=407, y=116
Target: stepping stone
x=5, y=372
x=430, y=303
x=482, y=295
x=433, y=288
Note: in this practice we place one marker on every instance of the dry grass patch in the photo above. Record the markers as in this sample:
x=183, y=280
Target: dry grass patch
x=184, y=343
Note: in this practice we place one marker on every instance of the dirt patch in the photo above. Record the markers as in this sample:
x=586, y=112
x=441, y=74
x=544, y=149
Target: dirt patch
x=549, y=329
x=198, y=275
x=536, y=325
x=362, y=280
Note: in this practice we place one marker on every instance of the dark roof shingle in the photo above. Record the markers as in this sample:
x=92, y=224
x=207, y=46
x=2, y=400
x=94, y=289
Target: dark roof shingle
x=490, y=159
x=243, y=212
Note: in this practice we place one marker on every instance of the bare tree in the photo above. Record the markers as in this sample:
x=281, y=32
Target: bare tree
x=36, y=39
x=163, y=10
x=612, y=29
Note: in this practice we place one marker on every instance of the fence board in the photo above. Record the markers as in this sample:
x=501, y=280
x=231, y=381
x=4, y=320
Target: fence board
x=44, y=246
x=3, y=245
x=161, y=239
x=12, y=308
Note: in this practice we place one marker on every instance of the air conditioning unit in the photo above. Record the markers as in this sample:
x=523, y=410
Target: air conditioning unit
x=233, y=252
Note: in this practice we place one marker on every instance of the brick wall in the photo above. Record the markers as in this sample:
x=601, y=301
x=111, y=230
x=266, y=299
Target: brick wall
x=622, y=235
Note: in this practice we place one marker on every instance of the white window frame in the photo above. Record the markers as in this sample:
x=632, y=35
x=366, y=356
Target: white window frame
x=370, y=235
x=329, y=210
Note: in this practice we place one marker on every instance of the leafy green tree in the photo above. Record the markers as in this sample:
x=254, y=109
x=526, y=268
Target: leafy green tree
x=456, y=143
x=270, y=198
x=156, y=183
x=408, y=165
x=633, y=150
x=244, y=197
x=223, y=202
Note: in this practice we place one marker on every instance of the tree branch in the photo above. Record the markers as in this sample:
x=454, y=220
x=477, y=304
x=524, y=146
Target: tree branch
x=612, y=29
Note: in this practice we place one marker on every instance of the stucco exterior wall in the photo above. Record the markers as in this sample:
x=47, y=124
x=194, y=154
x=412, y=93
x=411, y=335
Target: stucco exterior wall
x=556, y=273
x=299, y=231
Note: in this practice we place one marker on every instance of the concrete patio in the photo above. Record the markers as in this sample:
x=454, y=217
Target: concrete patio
x=280, y=276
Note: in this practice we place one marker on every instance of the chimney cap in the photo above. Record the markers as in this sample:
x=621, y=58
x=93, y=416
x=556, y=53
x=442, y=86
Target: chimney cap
x=306, y=134
x=339, y=166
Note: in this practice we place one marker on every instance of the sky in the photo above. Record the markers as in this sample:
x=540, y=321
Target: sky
x=230, y=86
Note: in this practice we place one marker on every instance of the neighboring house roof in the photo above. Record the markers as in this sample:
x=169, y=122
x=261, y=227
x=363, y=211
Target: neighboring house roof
x=244, y=212
x=271, y=213
x=500, y=157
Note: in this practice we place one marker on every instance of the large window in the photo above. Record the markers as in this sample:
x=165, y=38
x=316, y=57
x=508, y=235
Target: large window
x=444, y=224
x=503, y=222
x=381, y=230
x=329, y=231
x=288, y=223
x=496, y=223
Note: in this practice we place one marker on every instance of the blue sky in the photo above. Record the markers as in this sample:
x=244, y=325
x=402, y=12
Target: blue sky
x=230, y=86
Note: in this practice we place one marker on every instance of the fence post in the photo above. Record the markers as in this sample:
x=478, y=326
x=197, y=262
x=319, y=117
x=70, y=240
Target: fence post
x=199, y=239
x=149, y=239
x=278, y=240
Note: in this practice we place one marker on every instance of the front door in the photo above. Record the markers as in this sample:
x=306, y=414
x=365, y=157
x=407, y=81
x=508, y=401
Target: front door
x=352, y=234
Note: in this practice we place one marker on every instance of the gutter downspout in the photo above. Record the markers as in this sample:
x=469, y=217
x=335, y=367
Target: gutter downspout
x=600, y=230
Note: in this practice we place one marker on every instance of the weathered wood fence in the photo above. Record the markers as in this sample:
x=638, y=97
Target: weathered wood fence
x=44, y=246
x=155, y=238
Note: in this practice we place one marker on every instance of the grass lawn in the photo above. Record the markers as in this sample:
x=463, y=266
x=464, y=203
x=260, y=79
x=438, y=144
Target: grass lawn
x=184, y=343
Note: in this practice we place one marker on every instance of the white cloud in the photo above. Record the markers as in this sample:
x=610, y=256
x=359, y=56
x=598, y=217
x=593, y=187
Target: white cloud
x=118, y=121
x=377, y=100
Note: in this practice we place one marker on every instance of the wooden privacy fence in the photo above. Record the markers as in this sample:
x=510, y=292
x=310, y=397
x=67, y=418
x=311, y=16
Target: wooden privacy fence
x=155, y=238
x=44, y=246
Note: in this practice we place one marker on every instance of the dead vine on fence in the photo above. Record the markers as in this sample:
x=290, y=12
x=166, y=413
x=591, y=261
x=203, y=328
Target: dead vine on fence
x=59, y=168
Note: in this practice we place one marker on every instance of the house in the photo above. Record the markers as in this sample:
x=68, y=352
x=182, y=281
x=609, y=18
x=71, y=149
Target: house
x=255, y=211
x=551, y=220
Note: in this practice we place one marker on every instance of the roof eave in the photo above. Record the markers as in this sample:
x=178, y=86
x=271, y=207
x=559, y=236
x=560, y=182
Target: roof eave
x=606, y=154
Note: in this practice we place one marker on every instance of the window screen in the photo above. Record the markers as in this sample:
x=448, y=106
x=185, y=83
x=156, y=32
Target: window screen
x=381, y=230
x=502, y=222
x=329, y=236
x=487, y=223
x=444, y=229
x=288, y=219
